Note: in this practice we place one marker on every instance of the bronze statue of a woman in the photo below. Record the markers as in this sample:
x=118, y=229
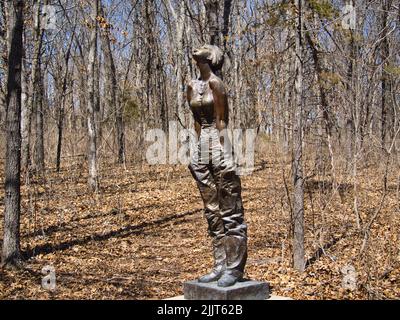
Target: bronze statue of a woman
x=214, y=171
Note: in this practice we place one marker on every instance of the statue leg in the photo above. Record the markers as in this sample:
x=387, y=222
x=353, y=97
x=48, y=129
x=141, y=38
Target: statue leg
x=209, y=194
x=232, y=214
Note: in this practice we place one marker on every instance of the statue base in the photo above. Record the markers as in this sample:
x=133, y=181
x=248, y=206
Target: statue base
x=243, y=290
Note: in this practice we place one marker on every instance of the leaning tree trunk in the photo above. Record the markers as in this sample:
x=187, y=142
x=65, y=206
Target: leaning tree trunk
x=238, y=71
x=39, y=146
x=179, y=18
x=385, y=83
x=11, y=240
x=35, y=104
x=298, y=180
x=26, y=116
x=212, y=21
x=61, y=111
x=34, y=100
x=113, y=101
x=226, y=20
x=92, y=150
x=3, y=61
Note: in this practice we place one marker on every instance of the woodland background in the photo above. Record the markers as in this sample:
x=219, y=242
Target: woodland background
x=324, y=98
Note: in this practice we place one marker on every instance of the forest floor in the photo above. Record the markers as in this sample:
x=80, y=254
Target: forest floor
x=144, y=235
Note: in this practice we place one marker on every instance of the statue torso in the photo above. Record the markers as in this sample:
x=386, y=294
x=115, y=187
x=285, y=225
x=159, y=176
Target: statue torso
x=202, y=102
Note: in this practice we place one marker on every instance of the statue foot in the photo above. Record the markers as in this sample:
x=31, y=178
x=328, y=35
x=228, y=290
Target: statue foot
x=229, y=279
x=210, y=277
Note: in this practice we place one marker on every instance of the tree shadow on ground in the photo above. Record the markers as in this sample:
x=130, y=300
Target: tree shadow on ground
x=120, y=233
x=65, y=225
x=324, y=185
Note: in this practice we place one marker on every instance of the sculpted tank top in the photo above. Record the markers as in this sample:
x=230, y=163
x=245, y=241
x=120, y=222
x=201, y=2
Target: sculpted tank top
x=202, y=102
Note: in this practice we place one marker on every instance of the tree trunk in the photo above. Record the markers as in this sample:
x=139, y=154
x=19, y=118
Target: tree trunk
x=226, y=19
x=26, y=120
x=385, y=83
x=4, y=47
x=11, y=240
x=237, y=113
x=61, y=113
x=36, y=92
x=92, y=149
x=298, y=180
x=39, y=150
x=319, y=69
x=113, y=101
x=212, y=21
x=180, y=24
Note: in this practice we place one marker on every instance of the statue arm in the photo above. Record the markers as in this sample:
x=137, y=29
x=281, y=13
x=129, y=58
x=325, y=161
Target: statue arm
x=221, y=104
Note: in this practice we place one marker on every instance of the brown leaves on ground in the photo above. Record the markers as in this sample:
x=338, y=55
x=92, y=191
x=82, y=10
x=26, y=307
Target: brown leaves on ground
x=144, y=234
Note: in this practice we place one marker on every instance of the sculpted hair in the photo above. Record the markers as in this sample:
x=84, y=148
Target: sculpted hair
x=216, y=57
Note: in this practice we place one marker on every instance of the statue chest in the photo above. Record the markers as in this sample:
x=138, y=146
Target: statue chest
x=202, y=97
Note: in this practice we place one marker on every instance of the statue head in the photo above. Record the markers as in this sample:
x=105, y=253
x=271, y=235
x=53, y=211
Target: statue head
x=209, y=54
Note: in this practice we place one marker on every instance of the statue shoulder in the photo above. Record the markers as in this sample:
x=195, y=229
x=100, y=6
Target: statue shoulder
x=217, y=84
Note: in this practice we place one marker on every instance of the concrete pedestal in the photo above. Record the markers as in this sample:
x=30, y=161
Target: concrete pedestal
x=244, y=290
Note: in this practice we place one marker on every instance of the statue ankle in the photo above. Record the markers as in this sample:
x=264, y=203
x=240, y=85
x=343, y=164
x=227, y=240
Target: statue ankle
x=230, y=278
x=214, y=275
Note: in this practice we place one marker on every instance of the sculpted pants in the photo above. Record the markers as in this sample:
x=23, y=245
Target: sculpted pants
x=220, y=188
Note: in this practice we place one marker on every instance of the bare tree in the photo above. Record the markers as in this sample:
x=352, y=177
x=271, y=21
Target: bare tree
x=111, y=76
x=385, y=82
x=37, y=89
x=92, y=149
x=62, y=101
x=11, y=241
x=212, y=13
x=226, y=20
x=298, y=179
x=3, y=57
x=179, y=18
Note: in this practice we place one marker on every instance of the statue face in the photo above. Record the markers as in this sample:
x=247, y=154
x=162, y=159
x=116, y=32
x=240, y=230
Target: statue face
x=201, y=54
x=209, y=54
